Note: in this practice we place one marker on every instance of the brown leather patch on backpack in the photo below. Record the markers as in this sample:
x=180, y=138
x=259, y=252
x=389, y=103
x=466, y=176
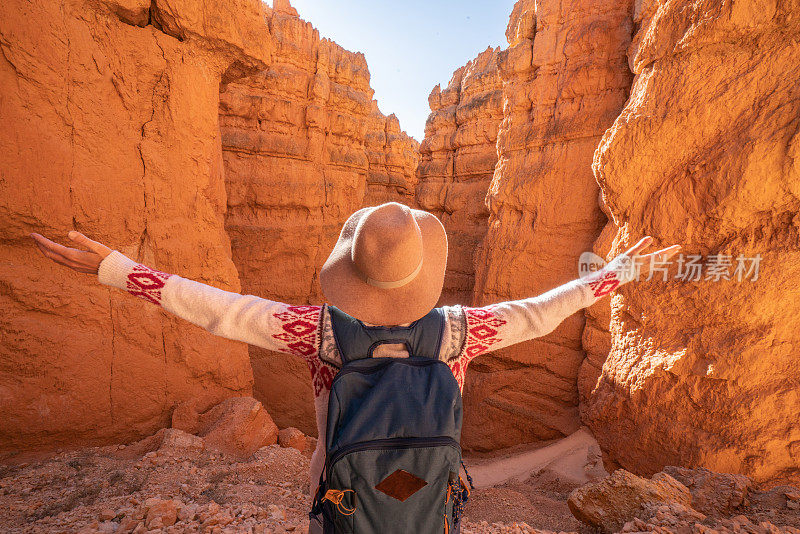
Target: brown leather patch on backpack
x=401, y=485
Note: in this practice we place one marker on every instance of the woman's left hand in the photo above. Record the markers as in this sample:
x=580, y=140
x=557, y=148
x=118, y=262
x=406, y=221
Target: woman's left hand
x=645, y=261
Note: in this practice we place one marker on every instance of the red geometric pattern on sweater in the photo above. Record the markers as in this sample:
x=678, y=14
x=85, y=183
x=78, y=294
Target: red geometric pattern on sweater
x=483, y=332
x=458, y=372
x=146, y=283
x=322, y=375
x=603, y=282
x=299, y=335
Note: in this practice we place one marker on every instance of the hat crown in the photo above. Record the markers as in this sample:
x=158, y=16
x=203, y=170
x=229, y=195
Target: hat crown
x=387, y=244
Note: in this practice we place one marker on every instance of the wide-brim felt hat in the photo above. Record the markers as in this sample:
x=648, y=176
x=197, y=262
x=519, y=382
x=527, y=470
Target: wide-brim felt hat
x=387, y=268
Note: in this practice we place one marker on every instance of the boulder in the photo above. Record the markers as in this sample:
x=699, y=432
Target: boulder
x=719, y=494
x=238, y=426
x=292, y=437
x=611, y=502
x=161, y=513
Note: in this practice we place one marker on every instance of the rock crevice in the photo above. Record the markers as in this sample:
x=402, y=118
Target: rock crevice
x=564, y=80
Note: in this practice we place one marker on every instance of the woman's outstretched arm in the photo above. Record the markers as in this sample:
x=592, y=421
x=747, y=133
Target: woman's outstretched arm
x=258, y=321
x=506, y=323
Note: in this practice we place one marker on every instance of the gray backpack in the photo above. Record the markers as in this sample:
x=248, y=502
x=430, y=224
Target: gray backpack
x=394, y=426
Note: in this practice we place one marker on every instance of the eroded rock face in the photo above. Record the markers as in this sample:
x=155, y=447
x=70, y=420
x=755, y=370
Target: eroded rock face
x=457, y=159
x=304, y=146
x=393, y=157
x=111, y=127
x=705, y=154
x=713, y=493
x=565, y=79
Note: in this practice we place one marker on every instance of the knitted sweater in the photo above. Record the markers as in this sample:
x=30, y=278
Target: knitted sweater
x=305, y=331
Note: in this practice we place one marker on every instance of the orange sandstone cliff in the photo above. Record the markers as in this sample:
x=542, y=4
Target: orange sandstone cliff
x=304, y=146
x=565, y=79
x=457, y=160
x=110, y=126
x=706, y=153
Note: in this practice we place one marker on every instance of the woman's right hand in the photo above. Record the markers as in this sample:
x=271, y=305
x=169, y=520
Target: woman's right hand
x=79, y=260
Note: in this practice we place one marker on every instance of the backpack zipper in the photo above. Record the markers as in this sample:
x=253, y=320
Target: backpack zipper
x=416, y=362
x=391, y=443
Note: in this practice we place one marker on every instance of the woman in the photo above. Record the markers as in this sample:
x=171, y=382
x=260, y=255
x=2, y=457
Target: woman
x=387, y=269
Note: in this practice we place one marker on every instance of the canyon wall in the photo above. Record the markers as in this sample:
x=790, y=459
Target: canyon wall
x=457, y=159
x=110, y=127
x=706, y=153
x=227, y=142
x=304, y=146
x=565, y=79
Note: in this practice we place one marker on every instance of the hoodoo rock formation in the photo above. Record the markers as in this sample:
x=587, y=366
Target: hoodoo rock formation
x=565, y=79
x=110, y=126
x=704, y=370
x=304, y=146
x=457, y=160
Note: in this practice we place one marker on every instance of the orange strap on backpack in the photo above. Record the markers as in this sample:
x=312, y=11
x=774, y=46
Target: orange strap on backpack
x=336, y=496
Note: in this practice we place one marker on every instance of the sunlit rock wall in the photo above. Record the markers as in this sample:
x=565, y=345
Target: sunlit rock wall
x=457, y=159
x=706, y=153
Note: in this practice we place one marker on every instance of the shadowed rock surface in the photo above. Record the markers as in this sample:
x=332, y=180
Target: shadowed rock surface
x=565, y=79
x=110, y=127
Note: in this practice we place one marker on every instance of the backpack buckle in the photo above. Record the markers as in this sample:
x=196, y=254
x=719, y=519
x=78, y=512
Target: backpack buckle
x=336, y=496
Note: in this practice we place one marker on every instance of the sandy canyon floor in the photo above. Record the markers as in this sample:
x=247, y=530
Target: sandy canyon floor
x=179, y=487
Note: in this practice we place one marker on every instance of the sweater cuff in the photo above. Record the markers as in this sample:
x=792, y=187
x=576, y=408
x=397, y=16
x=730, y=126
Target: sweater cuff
x=114, y=270
x=621, y=270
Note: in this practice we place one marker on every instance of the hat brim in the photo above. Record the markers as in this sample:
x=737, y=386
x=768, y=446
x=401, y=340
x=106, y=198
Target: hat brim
x=344, y=287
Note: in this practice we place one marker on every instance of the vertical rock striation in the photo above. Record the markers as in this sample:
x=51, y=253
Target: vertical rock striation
x=304, y=146
x=705, y=154
x=565, y=79
x=457, y=159
x=393, y=157
x=111, y=127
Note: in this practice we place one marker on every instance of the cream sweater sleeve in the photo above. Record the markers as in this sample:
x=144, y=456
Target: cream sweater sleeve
x=506, y=323
x=258, y=321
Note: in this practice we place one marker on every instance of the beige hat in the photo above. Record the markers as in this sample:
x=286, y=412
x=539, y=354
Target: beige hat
x=388, y=265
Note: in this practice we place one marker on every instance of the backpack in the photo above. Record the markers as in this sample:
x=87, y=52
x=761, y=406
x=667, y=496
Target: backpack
x=392, y=441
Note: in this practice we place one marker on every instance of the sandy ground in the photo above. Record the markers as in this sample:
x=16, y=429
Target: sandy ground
x=102, y=490
x=178, y=488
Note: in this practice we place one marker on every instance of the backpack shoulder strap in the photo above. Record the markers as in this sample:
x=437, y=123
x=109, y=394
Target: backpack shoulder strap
x=357, y=341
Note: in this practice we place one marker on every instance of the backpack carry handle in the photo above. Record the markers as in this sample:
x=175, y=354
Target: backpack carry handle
x=356, y=341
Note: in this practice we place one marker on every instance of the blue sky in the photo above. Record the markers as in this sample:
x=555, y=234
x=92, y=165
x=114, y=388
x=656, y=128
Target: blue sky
x=410, y=45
